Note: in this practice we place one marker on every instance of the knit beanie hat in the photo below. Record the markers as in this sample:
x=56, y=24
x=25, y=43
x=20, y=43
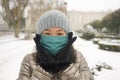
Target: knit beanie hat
x=53, y=18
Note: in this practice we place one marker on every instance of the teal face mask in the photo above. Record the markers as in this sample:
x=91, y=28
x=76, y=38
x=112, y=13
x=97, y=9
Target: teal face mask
x=53, y=44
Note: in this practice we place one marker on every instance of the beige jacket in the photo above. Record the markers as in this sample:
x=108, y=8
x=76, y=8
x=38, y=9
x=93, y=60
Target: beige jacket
x=76, y=71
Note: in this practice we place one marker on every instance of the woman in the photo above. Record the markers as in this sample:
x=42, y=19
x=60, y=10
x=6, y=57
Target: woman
x=55, y=58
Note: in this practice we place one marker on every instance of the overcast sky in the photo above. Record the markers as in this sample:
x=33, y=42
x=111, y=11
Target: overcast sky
x=93, y=5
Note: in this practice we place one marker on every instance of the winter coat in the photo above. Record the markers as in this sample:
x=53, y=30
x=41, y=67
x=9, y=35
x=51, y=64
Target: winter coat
x=76, y=71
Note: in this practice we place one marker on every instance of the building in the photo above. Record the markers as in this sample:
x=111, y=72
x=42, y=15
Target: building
x=78, y=19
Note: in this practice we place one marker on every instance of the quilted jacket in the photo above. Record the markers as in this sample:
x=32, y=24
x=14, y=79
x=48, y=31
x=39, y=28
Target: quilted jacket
x=76, y=71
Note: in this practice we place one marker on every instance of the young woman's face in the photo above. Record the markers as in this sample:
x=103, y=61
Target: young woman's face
x=55, y=31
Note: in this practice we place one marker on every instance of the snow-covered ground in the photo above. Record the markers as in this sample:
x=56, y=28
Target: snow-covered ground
x=12, y=51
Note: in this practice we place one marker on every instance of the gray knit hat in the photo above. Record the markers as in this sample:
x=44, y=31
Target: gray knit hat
x=53, y=18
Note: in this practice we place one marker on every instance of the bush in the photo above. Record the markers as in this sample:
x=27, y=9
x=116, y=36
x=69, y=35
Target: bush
x=88, y=36
x=88, y=32
x=109, y=46
x=99, y=67
x=103, y=65
x=96, y=40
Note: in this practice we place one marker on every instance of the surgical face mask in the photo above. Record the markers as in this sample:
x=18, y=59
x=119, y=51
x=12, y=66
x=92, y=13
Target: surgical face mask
x=53, y=44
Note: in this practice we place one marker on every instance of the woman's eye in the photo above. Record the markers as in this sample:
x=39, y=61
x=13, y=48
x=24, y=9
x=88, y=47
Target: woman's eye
x=46, y=33
x=60, y=34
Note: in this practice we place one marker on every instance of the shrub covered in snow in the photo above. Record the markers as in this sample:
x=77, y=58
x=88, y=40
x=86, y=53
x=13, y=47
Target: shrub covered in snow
x=88, y=32
x=88, y=36
x=111, y=45
x=96, y=40
x=99, y=67
x=104, y=30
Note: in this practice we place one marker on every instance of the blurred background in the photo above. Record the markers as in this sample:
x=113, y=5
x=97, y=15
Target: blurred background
x=21, y=15
x=95, y=22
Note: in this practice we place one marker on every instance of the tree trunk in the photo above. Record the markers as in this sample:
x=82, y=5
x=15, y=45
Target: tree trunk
x=28, y=35
x=17, y=29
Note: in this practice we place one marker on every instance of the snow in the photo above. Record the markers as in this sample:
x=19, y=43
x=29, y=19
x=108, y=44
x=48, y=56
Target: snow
x=13, y=50
x=94, y=55
x=110, y=42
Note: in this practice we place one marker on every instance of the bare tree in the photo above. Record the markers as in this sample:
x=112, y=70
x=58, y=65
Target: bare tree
x=36, y=9
x=13, y=10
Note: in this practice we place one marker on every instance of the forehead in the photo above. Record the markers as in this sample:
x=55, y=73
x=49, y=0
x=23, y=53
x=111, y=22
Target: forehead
x=54, y=29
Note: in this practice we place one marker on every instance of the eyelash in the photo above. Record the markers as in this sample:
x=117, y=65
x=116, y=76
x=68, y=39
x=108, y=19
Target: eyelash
x=60, y=33
x=47, y=33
